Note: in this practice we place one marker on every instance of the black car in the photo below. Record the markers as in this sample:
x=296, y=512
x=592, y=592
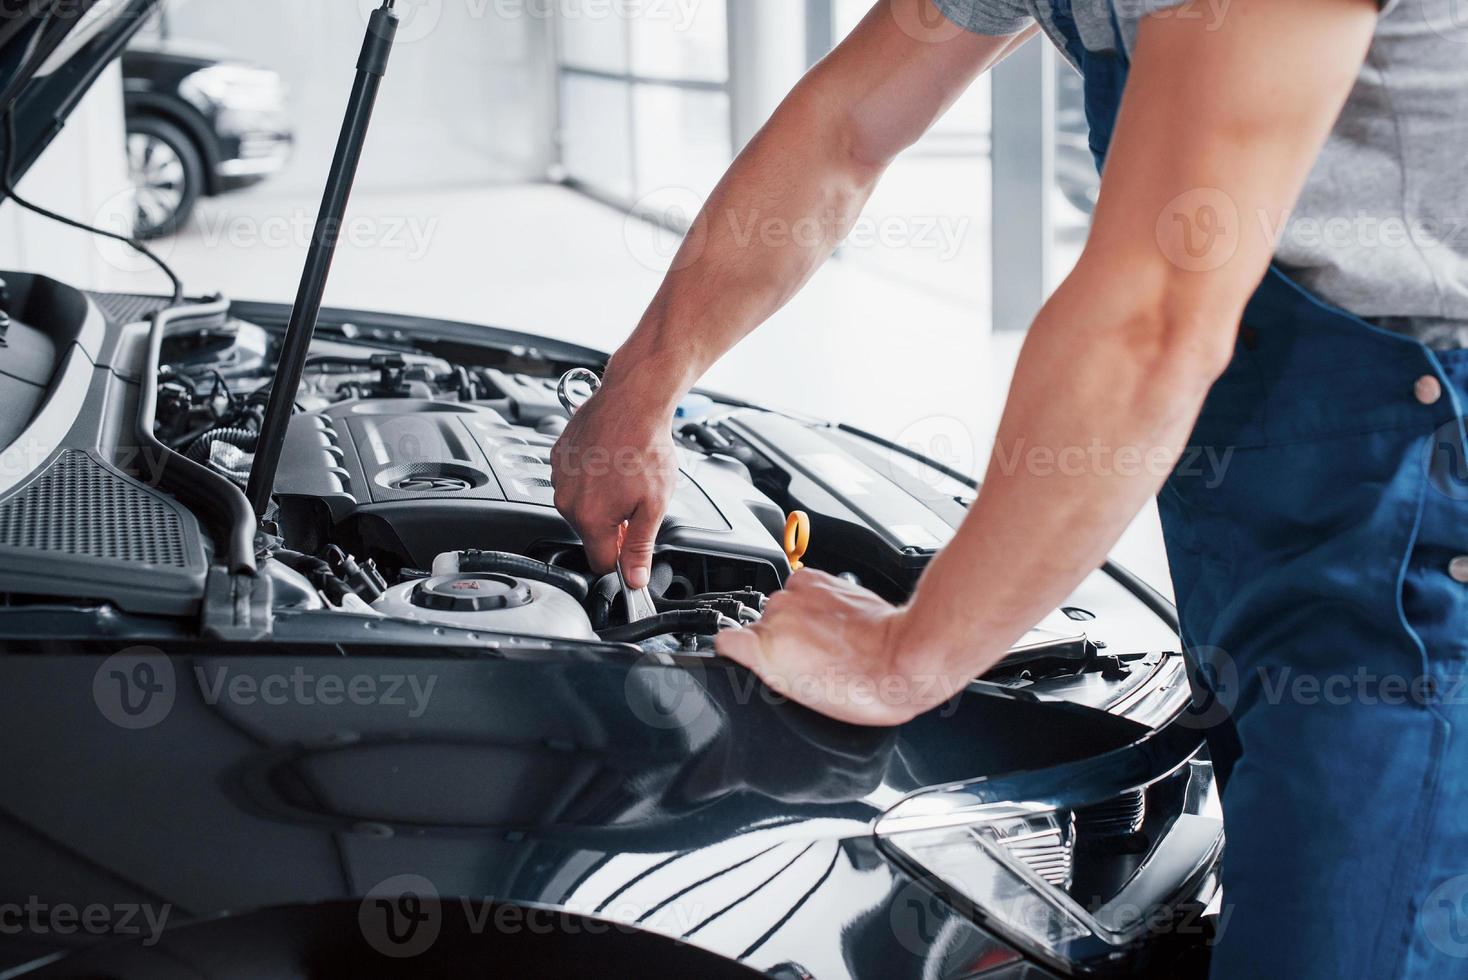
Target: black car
x=397, y=729
x=197, y=125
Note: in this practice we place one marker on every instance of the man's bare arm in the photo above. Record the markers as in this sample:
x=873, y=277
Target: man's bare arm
x=813, y=166
x=1218, y=129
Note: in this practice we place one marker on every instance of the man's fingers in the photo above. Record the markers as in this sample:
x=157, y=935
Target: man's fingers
x=601, y=547
x=637, y=546
x=740, y=646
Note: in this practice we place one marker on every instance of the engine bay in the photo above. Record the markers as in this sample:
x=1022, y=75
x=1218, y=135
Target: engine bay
x=414, y=493
x=421, y=486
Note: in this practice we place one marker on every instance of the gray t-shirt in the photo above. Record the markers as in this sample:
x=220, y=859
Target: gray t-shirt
x=1381, y=228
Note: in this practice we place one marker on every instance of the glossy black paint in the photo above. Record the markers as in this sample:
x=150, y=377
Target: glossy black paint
x=40, y=106
x=288, y=781
x=685, y=799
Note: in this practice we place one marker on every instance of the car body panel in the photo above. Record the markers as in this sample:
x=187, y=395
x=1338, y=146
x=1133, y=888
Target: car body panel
x=600, y=782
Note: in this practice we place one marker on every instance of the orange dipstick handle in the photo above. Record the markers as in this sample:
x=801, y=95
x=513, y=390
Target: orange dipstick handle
x=797, y=538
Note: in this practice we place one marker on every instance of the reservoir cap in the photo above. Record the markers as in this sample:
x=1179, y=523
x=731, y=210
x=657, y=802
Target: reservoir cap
x=472, y=593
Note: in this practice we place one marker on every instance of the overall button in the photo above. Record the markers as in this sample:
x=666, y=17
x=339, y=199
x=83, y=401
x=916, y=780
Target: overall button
x=1458, y=569
x=1428, y=390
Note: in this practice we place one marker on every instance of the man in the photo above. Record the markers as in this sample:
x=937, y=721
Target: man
x=1272, y=235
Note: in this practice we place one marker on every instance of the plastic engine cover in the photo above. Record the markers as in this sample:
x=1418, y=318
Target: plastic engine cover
x=415, y=479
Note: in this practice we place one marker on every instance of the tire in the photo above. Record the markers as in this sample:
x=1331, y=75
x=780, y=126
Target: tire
x=168, y=175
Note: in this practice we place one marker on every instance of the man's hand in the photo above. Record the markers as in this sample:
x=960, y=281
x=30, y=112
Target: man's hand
x=614, y=466
x=815, y=163
x=841, y=650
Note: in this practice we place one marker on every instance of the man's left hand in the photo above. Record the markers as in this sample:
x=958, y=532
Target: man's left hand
x=838, y=648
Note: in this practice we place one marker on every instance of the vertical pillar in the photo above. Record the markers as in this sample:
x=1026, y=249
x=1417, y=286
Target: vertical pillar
x=767, y=56
x=1023, y=179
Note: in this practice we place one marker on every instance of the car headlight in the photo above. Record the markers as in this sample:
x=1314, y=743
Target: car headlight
x=240, y=89
x=1080, y=874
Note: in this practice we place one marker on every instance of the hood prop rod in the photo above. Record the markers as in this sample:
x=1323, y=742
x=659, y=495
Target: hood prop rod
x=371, y=66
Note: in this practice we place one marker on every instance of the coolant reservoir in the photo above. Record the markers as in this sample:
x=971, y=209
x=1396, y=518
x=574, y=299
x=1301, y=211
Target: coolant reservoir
x=489, y=601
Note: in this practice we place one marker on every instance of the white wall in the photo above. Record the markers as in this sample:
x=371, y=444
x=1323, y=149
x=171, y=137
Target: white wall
x=82, y=175
x=468, y=97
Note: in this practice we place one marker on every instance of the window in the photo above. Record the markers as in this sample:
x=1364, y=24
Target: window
x=644, y=100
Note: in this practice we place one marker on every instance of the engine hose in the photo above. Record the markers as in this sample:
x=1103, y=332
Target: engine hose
x=732, y=608
x=702, y=622
x=244, y=439
x=317, y=572
x=602, y=597
x=751, y=598
x=498, y=561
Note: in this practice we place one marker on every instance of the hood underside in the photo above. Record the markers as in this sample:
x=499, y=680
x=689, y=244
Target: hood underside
x=50, y=54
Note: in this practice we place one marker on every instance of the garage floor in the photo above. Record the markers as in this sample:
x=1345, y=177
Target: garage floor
x=890, y=337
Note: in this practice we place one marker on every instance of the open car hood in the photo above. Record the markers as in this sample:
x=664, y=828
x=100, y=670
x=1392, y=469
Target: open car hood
x=50, y=54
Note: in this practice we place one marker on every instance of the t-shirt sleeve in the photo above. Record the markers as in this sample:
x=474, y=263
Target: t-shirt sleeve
x=996, y=18
x=1141, y=8
x=1136, y=10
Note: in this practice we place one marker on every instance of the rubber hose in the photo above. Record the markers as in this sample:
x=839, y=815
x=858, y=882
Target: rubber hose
x=602, y=597
x=522, y=567
x=243, y=439
x=703, y=622
x=732, y=608
x=317, y=572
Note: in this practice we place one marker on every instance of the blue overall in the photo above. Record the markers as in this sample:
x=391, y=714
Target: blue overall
x=1327, y=636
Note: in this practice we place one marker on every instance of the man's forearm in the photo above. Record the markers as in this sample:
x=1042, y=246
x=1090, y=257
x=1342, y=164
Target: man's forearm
x=793, y=195
x=777, y=215
x=1218, y=129
x=1077, y=457
x=1143, y=334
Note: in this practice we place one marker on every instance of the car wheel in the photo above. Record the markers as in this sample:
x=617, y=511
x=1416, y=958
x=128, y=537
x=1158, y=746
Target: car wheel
x=167, y=174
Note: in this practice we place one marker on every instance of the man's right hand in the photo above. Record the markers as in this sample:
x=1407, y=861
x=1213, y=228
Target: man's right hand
x=813, y=165
x=613, y=466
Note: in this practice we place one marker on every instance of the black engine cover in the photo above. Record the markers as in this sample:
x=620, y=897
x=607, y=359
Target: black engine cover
x=405, y=480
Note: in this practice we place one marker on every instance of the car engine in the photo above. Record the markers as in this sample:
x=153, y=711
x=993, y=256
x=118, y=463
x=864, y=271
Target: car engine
x=412, y=500
x=422, y=488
